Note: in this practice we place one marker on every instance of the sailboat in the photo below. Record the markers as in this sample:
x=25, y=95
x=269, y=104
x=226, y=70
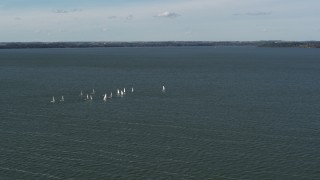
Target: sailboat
x=110, y=95
x=62, y=99
x=53, y=100
x=118, y=92
x=81, y=94
x=163, y=89
x=91, y=97
x=87, y=98
x=132, y=90
x=93, y=92
x=105, y=97
x=121, y=93
x=124, y=90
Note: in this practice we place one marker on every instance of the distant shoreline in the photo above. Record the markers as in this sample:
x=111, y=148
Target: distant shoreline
x=275, y=44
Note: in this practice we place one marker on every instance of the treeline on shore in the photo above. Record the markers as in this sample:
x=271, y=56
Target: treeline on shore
x=20, y=45
x=305, y=44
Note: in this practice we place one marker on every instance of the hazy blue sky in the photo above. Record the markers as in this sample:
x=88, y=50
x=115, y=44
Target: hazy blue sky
x=159, y=20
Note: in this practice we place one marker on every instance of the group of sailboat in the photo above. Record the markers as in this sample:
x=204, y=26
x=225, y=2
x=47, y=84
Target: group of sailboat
x=121, y=93
x=89, y=96
x=54, y=100
x=105, y=96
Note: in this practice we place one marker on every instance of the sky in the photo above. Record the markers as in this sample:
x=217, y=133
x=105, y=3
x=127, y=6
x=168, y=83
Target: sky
x=159, y=20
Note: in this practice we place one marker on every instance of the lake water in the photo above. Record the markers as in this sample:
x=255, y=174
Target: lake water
x=227, y=113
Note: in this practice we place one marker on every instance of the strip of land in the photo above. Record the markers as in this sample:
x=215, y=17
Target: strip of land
x=21, y=45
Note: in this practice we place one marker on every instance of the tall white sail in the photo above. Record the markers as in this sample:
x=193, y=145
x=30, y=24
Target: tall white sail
x=132, y=89
x=118, y=92
x=110, y=95
x=90, y=97
x=163, y=89
x=124, y=90
x=62, y=99
x=93, y=92
x=81, y=94
x=53, y=100
x=105, y=97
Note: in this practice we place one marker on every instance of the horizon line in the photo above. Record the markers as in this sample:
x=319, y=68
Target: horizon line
x=160, y=41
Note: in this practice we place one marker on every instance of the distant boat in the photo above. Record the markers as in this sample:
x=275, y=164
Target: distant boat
x=91, y=97
x=124, y=90
x=121, y=93
x=87, y=97
x=163, y=89
x=53, y=100
x=105, y=97
x=81, y=94
x=62, y=99
x=110, y=95
x=132, y=89
x=93, y=92
x=118, y=92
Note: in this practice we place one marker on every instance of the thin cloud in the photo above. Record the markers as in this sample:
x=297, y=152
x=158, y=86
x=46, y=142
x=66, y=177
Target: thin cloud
x=188, y=33
x=252, y=14
x=112, y=17
x=62, y=11
x=167, y=14
x=104, y=29
x=130, y=17
x=258, y=13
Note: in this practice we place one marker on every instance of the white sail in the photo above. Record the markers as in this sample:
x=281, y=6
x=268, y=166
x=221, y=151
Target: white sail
x=90, y=97
x=121, y=93
x=124, y=90
x=110, y=95
x=105, y=97
x=62, y=99
x=118, y=92
x=81, y=94
x=53, y=100
x=93, y=92
x=163, y=89
x=87, y=96
x=132, y=89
